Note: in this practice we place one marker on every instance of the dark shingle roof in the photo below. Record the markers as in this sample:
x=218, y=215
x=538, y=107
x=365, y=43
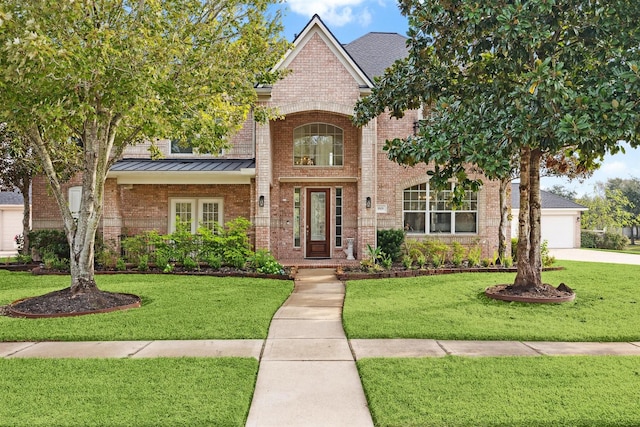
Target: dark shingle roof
x=375, y=52
x=549, y=200
x=11, y=198
x=183, y=165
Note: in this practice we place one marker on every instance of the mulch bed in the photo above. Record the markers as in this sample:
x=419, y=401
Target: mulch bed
x=62, y=304
x=542, y=294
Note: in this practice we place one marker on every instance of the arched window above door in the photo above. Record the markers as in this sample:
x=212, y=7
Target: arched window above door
x=318, y=144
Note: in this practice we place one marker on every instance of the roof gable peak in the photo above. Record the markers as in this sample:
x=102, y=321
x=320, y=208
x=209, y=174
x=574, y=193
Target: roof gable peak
x=316, y=26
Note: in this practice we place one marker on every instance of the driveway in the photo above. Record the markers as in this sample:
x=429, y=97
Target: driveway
x=590, y=255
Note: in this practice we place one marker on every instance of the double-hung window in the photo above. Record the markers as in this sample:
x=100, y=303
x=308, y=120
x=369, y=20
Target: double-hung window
x=427, y=211
x=194, y=213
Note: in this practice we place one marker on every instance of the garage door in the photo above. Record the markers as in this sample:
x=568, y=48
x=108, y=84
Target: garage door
x=10, y=225
x=559, y=231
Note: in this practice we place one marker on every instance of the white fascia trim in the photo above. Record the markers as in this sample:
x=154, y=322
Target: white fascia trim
x=243, y=176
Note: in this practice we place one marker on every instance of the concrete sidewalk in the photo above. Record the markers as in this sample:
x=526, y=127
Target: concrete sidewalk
x=359, y=348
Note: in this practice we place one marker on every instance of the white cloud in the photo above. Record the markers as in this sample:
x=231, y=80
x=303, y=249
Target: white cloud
x=614, y=168
x=336, y=13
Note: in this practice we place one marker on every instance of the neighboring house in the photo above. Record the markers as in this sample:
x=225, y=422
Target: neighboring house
x=11, y=211
x=560, y=219
x=311, y=183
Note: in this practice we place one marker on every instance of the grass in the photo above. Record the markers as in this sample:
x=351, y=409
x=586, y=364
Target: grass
x=607, y=307
x=173, y=307
x=509, y=391
x=630, y=249
x=126, y=392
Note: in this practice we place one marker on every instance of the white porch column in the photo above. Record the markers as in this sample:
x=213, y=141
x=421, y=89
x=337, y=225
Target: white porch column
x=262, y=219
x=367, y=188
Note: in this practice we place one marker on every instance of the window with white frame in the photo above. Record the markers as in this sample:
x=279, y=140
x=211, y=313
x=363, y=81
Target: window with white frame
x=296, y=217
x=428, y=211
x=317, y=144
x=339, y=217
x=195, y=213
x=75, y=198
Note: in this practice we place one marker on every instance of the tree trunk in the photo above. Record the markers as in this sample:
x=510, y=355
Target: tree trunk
x=82, y=266
x=26, y=214
x=529, y=264
x=503, y=229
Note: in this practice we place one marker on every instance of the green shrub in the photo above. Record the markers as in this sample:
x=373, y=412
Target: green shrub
x=614, y=241
x=514, y=248
x=458, y=253
x=23, y=259
x=437, y=260
x=121, y=265
x=487, y=262
x=49, y=241
x=107, y=257
x=213, y=261
x=143, y=263
x=162, y=261
x=475, y=253
x=547, y=260
x=386, y=261
x=138, y=246
x=264, y=262
x=407, y=261
x=235, y=258
x=607, y=240
x=190, y=264
x=390, y=242
x=507, y=262
x=588, y=239
x=438, y=252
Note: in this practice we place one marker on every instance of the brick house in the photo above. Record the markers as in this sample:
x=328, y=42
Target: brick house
x=311, y=182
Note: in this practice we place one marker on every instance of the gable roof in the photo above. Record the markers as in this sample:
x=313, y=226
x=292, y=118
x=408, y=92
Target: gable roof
x=375, y=52
x=316, y=26
x=549, y=200
x=11, y=198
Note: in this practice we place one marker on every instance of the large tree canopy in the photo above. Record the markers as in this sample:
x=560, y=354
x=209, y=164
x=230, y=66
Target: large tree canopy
x=83, y=79
x=503, y=80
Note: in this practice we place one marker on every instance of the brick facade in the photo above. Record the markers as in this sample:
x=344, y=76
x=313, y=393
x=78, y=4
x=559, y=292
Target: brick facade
x=322, y=86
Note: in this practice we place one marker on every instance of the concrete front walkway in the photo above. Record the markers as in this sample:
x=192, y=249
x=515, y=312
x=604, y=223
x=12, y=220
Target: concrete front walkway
x=308, y=376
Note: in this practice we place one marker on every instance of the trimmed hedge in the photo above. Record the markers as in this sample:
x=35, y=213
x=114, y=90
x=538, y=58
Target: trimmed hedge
x=390, y=242
x=606, y=240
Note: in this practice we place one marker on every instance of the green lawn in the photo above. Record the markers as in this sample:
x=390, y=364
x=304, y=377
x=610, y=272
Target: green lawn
x=607, y=307
x=173, y=307
x=509, y=391
x=126, y=392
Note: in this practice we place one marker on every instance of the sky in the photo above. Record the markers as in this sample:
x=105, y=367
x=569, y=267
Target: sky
x=350, y=19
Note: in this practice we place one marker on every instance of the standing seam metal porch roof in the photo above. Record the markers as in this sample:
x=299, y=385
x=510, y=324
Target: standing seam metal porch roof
x=183, y=165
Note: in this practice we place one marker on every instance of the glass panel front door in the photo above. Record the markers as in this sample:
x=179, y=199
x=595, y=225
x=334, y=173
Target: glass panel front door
x=318, y=243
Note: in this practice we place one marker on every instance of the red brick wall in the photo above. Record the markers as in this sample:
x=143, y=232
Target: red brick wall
x=316, y=73
x=393, y=178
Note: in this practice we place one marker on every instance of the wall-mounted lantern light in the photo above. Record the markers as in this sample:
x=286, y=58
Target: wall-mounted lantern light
x=416, y=127
x=368, y=202
x=261, y=201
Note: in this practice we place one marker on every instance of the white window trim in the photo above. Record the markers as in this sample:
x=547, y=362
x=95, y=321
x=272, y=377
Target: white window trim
x=197, y=204
x=427, y=216
x=331, y=155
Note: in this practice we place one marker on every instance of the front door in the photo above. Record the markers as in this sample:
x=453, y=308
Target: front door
x=318, y=225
